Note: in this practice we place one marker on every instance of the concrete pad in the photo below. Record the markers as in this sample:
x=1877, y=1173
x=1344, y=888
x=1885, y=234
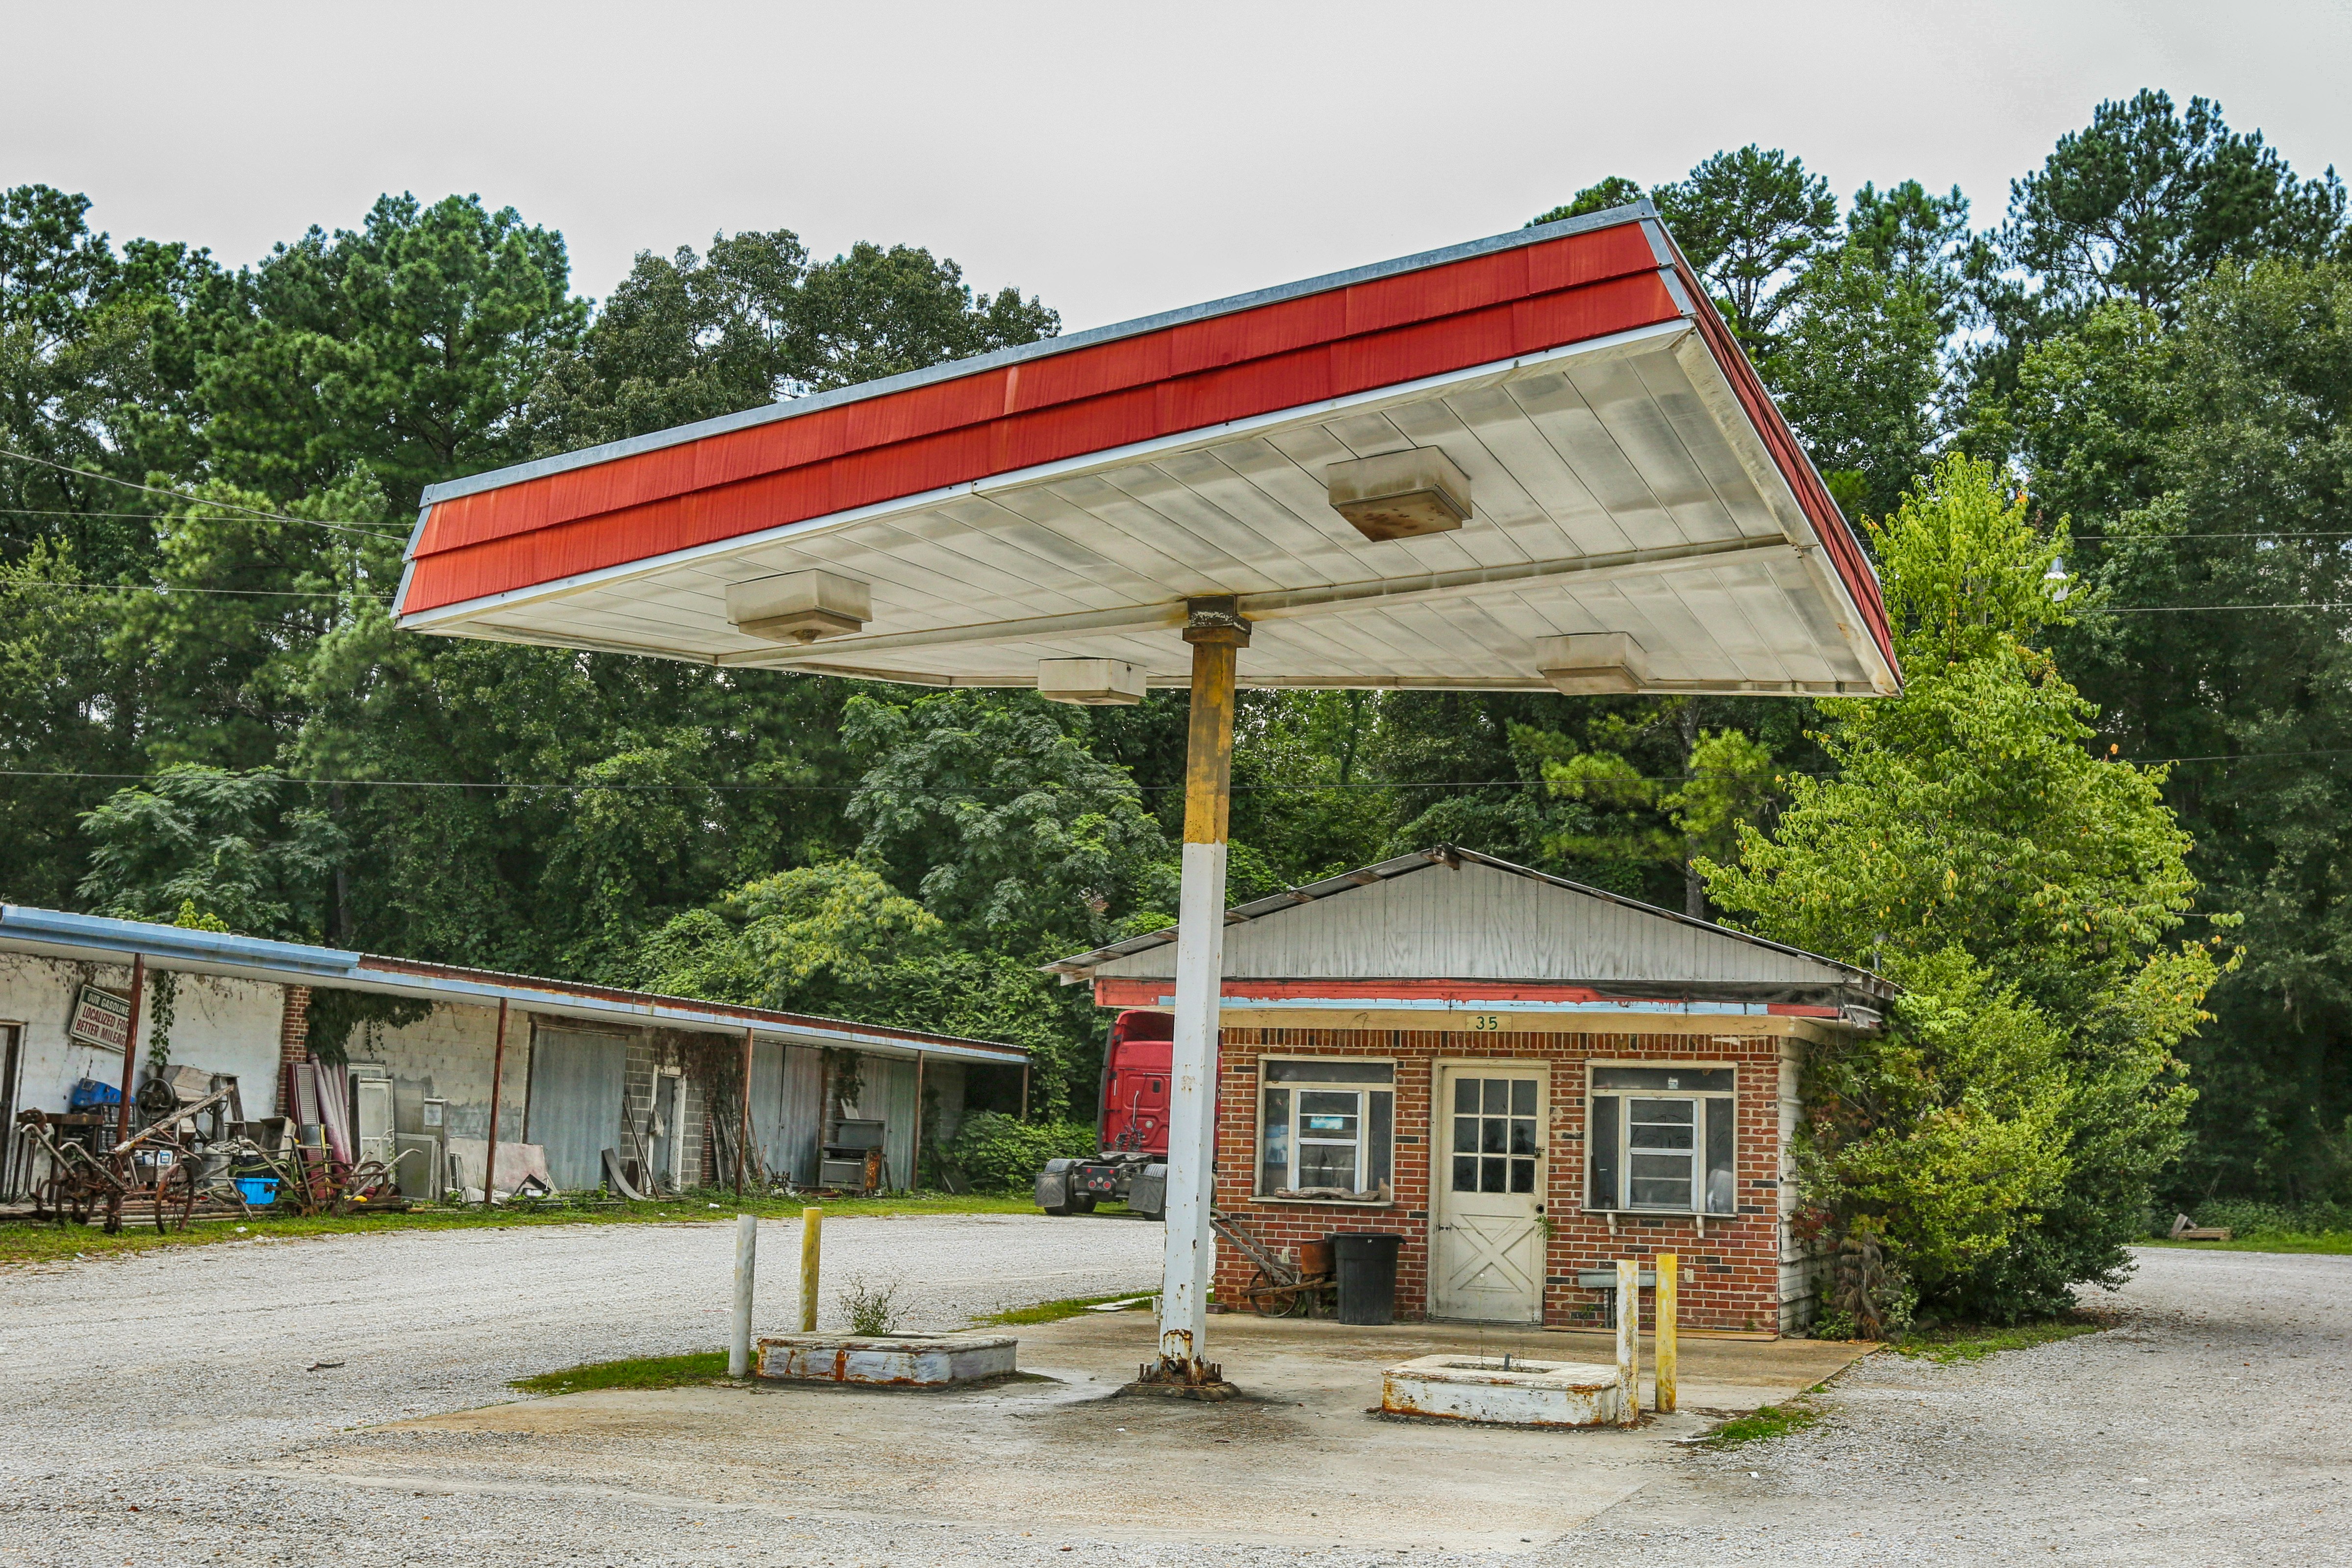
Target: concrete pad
x=900, y=1361
x=1303, y=1458
x=1504, y=1390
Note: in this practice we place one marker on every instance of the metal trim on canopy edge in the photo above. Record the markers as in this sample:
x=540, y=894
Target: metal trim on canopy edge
x=654, y=441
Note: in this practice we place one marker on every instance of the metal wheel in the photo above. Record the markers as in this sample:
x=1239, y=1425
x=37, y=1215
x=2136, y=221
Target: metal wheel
x=1270, y=1297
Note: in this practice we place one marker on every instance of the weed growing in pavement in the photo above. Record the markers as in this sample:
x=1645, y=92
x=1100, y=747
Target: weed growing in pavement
x=644, y=1372
x=1055, y=1311
x=1949, y=1342
x=1762, y=1426
x=872, y=1309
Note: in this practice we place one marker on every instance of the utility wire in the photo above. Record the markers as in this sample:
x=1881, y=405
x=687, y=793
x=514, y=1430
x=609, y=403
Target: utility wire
x=30, y=585
x=1145, y=789
x=199, y=500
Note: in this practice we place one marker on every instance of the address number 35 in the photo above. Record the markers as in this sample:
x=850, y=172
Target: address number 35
x=1485, y=1023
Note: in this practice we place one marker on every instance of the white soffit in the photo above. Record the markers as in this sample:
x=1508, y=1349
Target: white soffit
x=1618, y=487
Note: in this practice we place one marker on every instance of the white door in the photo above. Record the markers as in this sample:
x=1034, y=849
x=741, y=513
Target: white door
x=1487, y=1260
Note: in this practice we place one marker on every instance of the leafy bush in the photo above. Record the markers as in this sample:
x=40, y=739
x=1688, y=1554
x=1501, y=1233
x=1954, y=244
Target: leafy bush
x=999, y=1154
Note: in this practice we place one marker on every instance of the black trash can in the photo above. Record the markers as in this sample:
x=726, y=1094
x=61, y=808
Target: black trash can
x=1366, y=1265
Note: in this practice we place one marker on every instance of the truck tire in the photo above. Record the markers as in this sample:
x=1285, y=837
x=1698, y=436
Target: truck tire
x=1053, y=1193
x=1083, y=1203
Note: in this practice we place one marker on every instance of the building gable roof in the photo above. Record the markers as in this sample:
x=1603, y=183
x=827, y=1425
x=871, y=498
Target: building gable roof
x=1453, y=913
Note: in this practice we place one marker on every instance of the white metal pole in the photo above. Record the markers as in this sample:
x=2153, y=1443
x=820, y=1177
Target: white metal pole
x=1217, y=634
x=747, y=1247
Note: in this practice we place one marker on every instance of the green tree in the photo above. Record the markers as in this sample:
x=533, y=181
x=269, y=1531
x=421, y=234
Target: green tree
x=411, y=345
x=1615, y=191
x=198, y=846
x=2206, y=467
x=1858, y=369
x=1007, y=827
x=1972, y=846
x=1747, y=220
x=752, y=321
x=2138, y=206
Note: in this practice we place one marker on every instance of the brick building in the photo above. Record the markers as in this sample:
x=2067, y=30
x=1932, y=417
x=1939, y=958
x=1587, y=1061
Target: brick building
x=1523, y=1077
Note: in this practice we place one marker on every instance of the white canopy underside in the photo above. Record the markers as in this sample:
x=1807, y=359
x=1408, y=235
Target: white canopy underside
x=1618, y=487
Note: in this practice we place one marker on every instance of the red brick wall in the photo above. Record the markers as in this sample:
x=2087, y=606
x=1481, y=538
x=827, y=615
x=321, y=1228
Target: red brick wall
x=294, y=1025
x=1730, y=1279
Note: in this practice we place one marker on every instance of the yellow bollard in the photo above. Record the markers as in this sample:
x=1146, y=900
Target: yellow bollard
x=812, y=1239
x=1629, y=1340
x=1669, y=1269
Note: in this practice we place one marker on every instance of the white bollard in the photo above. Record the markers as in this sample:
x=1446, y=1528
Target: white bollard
x=1629, y=1340
x=747, y=1247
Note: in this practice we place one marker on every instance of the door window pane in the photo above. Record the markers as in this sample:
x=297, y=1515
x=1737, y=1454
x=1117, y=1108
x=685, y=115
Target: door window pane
x=1495, y=1118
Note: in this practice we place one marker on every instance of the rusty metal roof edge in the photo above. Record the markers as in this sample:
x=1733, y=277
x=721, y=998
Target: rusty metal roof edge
x=1079, y=965
x=679, y=435
x=67, y=934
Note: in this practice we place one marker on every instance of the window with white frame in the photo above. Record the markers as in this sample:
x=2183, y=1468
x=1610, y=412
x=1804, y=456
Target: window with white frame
x=1663, y=1138
x=1325, y=1127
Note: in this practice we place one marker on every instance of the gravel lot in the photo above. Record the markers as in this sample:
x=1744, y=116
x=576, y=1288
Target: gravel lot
x=158, y=1410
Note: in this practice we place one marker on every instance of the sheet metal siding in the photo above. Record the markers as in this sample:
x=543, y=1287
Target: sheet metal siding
x=1480, y=923
x=578, y=1083
x=1188, y=377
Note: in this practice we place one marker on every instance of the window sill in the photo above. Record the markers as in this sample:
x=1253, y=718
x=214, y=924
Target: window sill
x=1325, y=1203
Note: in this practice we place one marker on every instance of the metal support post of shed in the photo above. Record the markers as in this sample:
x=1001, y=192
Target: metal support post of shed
x=1217, y=631
x=498, y=1082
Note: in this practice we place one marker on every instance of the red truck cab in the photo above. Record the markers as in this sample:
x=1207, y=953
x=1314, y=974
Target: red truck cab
x=1131, y=1112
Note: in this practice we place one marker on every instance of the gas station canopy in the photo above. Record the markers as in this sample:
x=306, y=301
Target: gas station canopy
x=1532, y=462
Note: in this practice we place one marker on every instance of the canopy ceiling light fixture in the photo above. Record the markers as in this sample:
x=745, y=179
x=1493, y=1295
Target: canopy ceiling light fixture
x=1401, y=495
x=1272, y=490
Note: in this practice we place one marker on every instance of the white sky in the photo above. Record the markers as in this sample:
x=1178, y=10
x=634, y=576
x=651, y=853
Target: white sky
x=1114, y=159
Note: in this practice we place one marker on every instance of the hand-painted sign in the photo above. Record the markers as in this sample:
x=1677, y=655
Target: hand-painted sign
x=102, y=1019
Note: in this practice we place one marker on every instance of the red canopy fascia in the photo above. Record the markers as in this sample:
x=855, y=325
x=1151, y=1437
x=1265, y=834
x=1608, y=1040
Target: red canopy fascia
x=495, y=534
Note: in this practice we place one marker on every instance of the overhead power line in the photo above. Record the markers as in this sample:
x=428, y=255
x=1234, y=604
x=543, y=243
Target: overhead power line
x=35, y=585
x=1281, y=787
x=200, y=500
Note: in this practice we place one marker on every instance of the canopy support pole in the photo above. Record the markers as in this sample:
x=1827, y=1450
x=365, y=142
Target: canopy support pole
x=1217, y=633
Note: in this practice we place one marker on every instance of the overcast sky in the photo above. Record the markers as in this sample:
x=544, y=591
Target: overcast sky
x=1114, y=159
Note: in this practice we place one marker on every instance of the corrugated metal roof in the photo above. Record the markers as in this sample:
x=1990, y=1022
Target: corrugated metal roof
x=1082, y=966
x=59, y=934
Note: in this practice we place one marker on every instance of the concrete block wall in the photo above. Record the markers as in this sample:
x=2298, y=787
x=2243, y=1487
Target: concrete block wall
x=1731, y=1275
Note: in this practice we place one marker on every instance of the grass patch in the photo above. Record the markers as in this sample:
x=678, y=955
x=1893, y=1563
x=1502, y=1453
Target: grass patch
x=1762, y=1425
x=644, y=1372
x=1950, y=1342
x=26, y=1241
x=2323, y=1241
x=1055, y=1311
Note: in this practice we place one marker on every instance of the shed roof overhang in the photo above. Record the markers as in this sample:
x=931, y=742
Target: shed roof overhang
x=59, y=934
x=1066, y=499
